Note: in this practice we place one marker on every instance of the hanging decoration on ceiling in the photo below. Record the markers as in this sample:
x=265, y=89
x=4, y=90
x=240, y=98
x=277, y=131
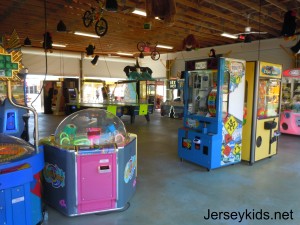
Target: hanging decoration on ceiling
x=111, y=5
x=289, y=25
x=61, y=27
x=47, y=44
x=295, y=49
x=190, y=43
x=95, y=16
x=147, y=47
x=137, y=72
x=12, y=42
x=164, y=10
x=212, y=53
x=90, y=49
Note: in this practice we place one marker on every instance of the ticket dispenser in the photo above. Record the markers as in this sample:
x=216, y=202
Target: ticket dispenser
x=262, y=107
x=213, y=113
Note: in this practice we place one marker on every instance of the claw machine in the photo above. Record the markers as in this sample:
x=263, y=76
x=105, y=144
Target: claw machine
x=262, y=105
x=290, y=106
x=211, y=135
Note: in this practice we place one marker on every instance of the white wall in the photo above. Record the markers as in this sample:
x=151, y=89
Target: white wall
x=264, y=50
x=63, y=63
x=58, y=66
x=68, y=63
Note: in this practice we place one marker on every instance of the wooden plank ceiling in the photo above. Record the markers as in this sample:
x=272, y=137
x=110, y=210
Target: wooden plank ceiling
x=205, y=19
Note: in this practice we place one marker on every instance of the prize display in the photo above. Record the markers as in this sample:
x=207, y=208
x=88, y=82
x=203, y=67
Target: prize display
x=290, y=107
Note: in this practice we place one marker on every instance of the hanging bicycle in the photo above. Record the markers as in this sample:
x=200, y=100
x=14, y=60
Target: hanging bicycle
x=148, y=47
x=96, y=16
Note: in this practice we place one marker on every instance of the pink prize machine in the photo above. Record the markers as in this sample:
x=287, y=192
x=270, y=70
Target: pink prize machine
x=290, y=108
x=90, y=164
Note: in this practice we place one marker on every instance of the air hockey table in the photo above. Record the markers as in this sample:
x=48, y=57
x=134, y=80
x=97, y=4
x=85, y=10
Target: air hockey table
x=118, y=109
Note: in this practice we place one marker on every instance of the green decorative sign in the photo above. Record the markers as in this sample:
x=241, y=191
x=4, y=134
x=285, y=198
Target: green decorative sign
x=7, y=66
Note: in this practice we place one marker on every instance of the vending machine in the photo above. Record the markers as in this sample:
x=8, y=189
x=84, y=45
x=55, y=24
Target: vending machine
x=211, y=135
x=290, y=105
x=262, y=107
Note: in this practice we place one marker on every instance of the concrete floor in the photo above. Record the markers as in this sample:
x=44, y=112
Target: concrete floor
x=171, y=192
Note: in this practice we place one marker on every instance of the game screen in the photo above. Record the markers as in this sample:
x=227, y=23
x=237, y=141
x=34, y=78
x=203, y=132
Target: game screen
x=72, y=93
x=10, y=122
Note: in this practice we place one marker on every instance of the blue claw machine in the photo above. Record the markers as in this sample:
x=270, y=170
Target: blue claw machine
x=211, y=135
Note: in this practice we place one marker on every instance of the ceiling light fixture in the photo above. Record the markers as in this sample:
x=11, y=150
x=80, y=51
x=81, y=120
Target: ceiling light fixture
x=95, y=60
x=229, y=35
x=59, y=45
x=141, y=56
x=124, y=53
x=90, y=49
x=61, y=27
x=164, y=46
x=86, y=34
x=139, y=12
x=27, y=42
x=142, y=13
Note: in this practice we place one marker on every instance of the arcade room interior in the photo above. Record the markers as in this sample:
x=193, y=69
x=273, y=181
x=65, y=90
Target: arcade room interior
x=149, y=112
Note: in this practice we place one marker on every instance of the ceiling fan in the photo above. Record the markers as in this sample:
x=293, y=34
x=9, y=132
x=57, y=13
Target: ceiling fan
x=246, y=35
x=249, y=31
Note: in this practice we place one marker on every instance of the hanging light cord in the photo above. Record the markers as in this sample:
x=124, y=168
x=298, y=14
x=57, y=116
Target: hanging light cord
x=259, y=27
x=46, y=57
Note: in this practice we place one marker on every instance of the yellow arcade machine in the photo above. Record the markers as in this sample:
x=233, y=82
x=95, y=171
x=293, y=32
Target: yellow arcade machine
x=261, y=112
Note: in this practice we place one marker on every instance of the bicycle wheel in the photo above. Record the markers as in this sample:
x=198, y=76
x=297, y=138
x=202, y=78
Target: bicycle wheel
x=155, y=55
x=101, y=27
x=87, y=18
x=141, y=46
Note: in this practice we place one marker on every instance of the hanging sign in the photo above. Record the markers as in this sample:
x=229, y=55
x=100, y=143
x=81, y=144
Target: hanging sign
x=295, y=73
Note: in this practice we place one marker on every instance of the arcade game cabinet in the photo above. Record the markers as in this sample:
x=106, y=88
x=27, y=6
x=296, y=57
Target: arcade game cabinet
x=213, y=113
x=20, y=162
x=70, y=86
x=14, y=120
x=173, y=106
x=90, y=164
x=262, y=105
x=58, y=99
x=147, y=91
x=54, y=100
x=290, y=106
x=20, y=185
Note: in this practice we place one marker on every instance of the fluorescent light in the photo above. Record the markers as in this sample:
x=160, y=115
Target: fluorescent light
x=164, y=46
x=124, y=53
x=139, y=12
x=142, y=13
x=113, y=59
x=229, y=35
x=59, y=45
x=86, y=34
